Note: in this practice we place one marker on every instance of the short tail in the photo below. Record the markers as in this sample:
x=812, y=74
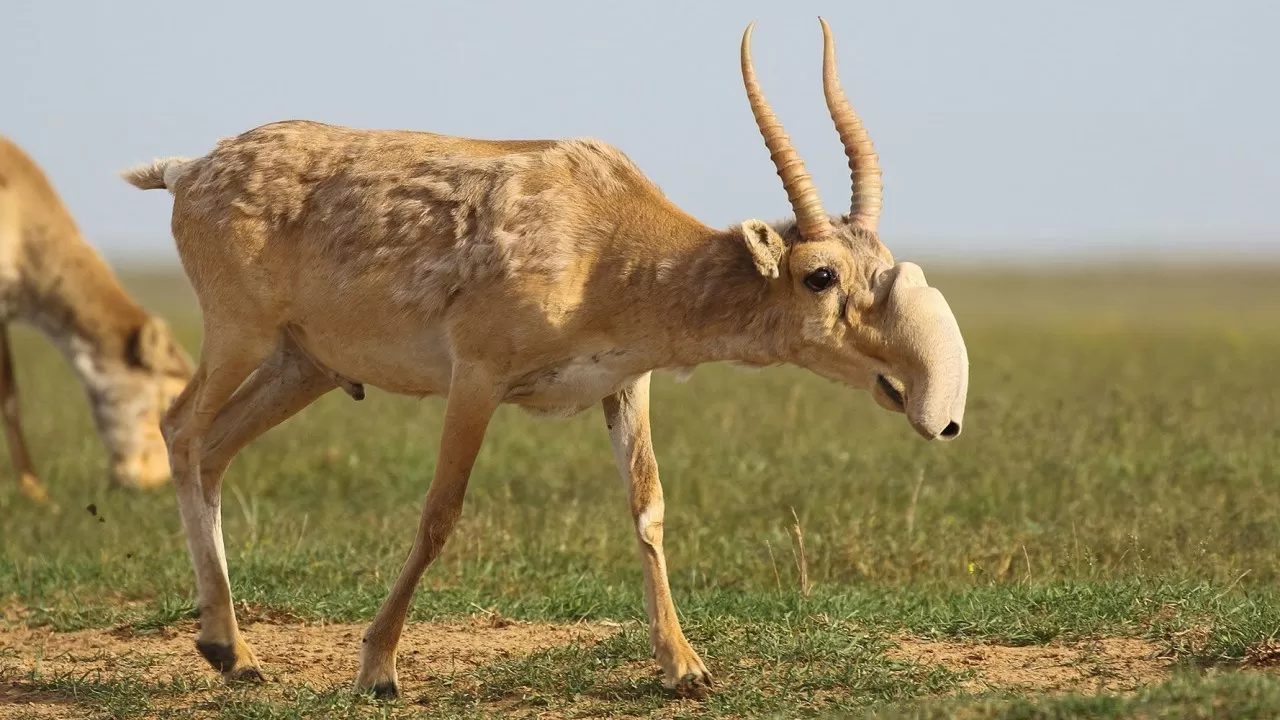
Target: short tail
x=160, y=174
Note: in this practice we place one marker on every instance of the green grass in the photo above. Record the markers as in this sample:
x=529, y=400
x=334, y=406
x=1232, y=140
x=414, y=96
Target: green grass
x=1116, y=477
x=1186, y=696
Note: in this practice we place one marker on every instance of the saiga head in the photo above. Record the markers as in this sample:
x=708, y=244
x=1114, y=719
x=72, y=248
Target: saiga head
x=131, y=394
x=857, y=317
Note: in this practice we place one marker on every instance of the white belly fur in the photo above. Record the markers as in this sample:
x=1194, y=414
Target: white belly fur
x=570, y=387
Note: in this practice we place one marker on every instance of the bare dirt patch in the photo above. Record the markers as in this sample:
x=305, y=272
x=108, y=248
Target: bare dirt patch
x=1107, y=664
x=319, y=656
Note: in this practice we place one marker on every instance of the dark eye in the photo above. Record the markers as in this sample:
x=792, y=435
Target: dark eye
x=820, y=279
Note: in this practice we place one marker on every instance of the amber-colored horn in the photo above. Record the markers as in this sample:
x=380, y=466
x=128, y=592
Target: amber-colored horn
x=864, y=164
x=810, y=217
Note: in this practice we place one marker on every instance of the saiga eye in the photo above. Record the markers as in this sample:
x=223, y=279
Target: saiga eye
x=820, y=279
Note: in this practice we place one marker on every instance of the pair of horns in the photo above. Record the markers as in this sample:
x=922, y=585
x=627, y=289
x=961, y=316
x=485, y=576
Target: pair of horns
x=864, y=165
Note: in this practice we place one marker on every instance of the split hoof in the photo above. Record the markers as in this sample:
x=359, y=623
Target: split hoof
x=234, y=668
x=245, y=676
x=694, y=685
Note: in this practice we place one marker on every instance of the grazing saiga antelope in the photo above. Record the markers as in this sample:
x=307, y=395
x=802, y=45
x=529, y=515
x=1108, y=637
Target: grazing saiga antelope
x=127, y=360
x=547, y=274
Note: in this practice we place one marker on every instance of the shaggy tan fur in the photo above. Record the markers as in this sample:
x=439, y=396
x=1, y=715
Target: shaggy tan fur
x=127, y=360
x=548, y=274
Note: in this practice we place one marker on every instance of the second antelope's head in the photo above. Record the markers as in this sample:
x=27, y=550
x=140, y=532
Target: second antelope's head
x=132, y=392
x=858, y=317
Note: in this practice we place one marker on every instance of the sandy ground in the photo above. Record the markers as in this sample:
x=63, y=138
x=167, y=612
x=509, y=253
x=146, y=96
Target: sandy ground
x=322, y=657
x=325, y=657
x=1109, y=664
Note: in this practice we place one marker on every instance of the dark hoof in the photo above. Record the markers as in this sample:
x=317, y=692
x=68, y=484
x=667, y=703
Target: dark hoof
x=221, y=656
x=248, y=676
x=223, y=659
x=385, y=691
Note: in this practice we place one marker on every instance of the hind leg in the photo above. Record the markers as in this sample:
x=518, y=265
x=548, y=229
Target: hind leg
x=205, y=428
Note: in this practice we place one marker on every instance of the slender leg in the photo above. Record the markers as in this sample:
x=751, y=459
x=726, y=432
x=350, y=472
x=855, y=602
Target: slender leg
x=472, y=401
x=205, y=428
x=277, y=391
x=627, y=415
x=9, y=407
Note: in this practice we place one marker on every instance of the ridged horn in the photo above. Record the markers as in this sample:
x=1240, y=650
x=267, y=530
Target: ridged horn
x=864, y=164
x=811, y=219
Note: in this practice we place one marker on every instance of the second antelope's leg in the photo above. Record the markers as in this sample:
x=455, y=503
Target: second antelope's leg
x=9, y=407
x=472, y=401
x=200, y=451
x=627, y=415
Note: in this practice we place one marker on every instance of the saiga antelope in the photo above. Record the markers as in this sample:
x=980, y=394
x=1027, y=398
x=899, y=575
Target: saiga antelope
x=127, y=360
x=548, y=274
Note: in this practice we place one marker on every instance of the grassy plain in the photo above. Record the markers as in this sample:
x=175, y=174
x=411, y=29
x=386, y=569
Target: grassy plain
x=1101, y=541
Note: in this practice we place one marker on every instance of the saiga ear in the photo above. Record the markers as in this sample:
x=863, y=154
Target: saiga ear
x=149, y=345
x=765, y=245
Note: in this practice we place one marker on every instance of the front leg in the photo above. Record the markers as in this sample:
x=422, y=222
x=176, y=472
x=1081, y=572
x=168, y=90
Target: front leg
x=22, y=464
x=473, y=397
x=627, y=415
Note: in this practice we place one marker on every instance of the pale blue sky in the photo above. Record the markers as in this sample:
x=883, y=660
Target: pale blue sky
x=1003, y=125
